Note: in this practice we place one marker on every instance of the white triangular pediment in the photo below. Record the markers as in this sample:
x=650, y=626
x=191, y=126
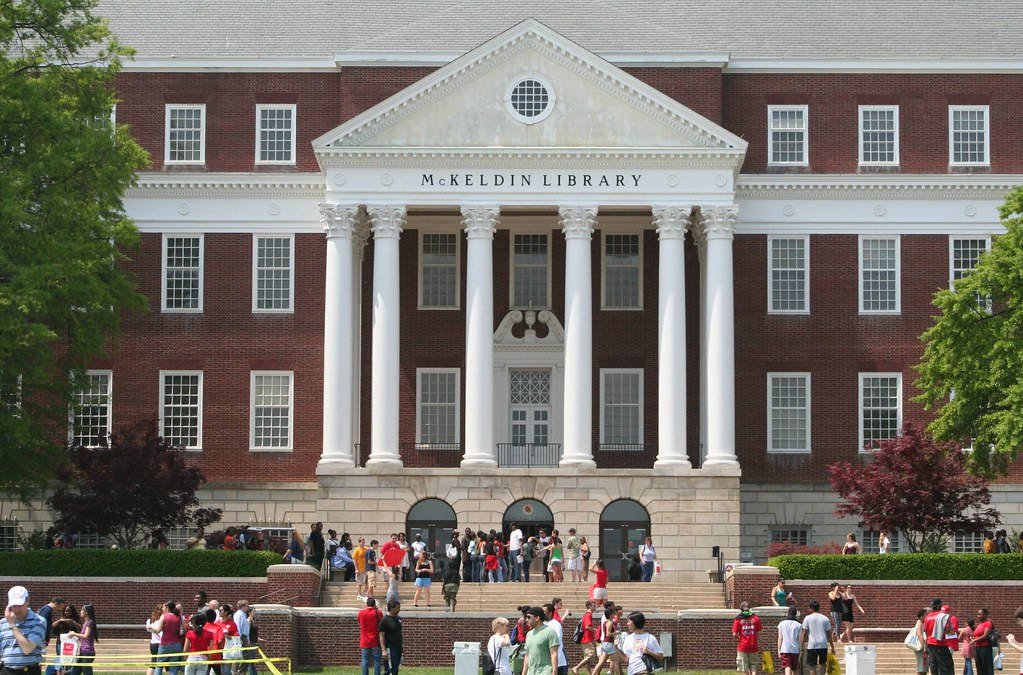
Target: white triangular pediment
x=465, y=105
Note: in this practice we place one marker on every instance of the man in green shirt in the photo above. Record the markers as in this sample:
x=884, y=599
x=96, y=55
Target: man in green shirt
x=574, y=556
x=541, y=645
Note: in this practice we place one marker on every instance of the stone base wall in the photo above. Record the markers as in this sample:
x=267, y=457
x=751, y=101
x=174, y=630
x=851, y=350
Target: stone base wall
x=690, y=510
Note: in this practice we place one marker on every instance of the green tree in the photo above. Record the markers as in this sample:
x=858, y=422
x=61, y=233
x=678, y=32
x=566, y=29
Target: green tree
x=63, y=171
x=972, y=365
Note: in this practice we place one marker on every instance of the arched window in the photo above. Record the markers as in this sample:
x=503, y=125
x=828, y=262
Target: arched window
x=433, y=520
x=531, y=515
x=624, y=525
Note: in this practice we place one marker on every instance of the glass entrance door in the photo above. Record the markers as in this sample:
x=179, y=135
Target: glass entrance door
x=529, y=425
x=619, y=544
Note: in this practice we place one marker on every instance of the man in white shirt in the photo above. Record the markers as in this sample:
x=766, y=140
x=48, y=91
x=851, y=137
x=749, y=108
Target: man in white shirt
x=241, y=619
x=817, y=635
x=555, y=625
x=418, y=546
x=515, y=552
x=789, y=639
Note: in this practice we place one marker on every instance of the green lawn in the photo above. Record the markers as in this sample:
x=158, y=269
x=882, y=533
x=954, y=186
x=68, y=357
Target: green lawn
x=447, y=671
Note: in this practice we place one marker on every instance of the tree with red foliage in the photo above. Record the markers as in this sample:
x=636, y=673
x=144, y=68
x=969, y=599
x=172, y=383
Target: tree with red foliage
x=131, y=484
x=917, y=486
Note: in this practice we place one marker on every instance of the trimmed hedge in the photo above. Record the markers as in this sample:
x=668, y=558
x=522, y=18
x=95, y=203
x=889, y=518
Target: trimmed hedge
x=136, y=563
x=937, y=566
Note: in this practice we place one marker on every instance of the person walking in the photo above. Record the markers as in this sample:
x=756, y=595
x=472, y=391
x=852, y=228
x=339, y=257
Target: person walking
x=554, y=622
x=22, y=635
x=639, y=644
x=359, y=558
x=789, y=633
x=390, y=638
x=850, y=603
x=244, y=623
x=452, y=582
x=197, y=641
x=296, y=549
x=424, y=577
x=317, y=545
x=574, y=556
x=608, y=635
x=590, y=637
x=883, y=542
x=981, y=642
x=499, y=646
x=599, y=590
x=529, y=550
x=836, y=596
x=941, y=627
x=745, y=629
x=852, y=547
x=515, y=556
x=369, y=636
x=648, y=558
x=392, y=575
x=542, y=645
x=818, y=634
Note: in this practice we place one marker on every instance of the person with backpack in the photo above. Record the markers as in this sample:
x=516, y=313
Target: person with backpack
x=496, y=658
x=983, y=643
x=587, y=634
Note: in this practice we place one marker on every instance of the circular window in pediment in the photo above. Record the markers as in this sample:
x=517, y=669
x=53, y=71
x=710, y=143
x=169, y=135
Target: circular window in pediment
x=530, y=99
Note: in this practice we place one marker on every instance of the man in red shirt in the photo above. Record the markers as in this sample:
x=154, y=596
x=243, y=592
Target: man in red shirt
x=388, y=545
x=589, y=640
x=369, y=635
x=941, y=629
x=745, y=629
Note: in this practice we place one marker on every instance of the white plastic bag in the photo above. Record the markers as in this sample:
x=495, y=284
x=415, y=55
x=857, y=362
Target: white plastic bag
x=913, y=641
x=69, y=647
x=998, y=660
x=232, y=647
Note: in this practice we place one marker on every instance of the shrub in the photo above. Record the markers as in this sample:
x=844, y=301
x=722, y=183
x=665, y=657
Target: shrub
x=778, y=548
x=962, y=566
x=136, y=563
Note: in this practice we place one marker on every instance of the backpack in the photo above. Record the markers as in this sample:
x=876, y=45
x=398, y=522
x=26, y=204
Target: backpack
x=514, y=635
x=516, y=658
x=993, y=636
x=577, y=635
x=489, y=667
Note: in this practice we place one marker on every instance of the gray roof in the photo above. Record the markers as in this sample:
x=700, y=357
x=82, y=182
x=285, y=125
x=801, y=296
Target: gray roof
x=781, y=29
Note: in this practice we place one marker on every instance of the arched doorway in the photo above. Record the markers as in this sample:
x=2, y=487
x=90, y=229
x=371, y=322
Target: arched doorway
x=624, y=525
x=434, y=520
x=532, y=516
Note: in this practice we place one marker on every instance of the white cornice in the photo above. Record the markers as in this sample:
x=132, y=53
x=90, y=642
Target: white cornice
x=173, y=64
x=622, y=58
x=868, y=65
x=876, y=186
x=236, y=185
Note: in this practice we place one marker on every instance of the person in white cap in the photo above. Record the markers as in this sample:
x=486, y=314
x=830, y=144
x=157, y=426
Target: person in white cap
x=22, y=635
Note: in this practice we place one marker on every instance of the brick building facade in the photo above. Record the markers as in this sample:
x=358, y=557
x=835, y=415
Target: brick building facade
x=677, y=280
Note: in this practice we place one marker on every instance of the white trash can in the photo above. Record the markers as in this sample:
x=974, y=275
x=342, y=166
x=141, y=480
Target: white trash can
x=860, y=659
x=467, y=658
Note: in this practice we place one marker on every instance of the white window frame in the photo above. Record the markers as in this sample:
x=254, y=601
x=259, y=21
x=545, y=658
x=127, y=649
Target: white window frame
x=952, y=239
x=790, y=529
x=290, y=309
x=458, y=272
x=202, y=132
x=959, y=542
x=10, y=531
x=892, y=108
x=293, y=107
x=163, y=272
x=110, y=405
x=806, y=275
x=952, y=109
x=252, y=411
x=805, y=109
x=898, y=273
x=859, y=407
x=511, y=268
x=770, y=408
x=603, y=273
x=457, y=372
x=163, y=403
x=626, y=371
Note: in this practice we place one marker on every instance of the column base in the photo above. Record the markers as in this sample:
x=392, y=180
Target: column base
x=385, y=463
x=721, y=460
x=580, y=462
x=478, y=461
x=672, y=463
x=334, y=465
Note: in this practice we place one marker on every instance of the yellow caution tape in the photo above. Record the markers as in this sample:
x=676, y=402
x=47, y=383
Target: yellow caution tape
x=158, y=660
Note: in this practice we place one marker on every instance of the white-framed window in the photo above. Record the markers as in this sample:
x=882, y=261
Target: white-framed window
x=272, y=410
x=963, y=255
x=273, y=273
x=181, y=408
x=177, y=537
x=182, y=287
x=789, y=534
x=438, y=270
x=788, y=274
x=969, y=138
x=437, y=397
x=870, y=541
x=968, y=542
x=9, y=531
x=91, y=418
x=880, y=282
x=622, y=271
x=880, y=408
x=10, y=394
x=530, y=99
x=788, y=412
x=90, y=540
x=185, y=135
x=788, y=140
x=621, y=406
x=530, y=269
x=275, y=133
x=879, y=135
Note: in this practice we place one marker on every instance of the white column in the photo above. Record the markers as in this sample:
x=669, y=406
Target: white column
x=387, y=222
x=339, y=222
x=480, y=224
x=577, y=222
x=719, y=229
x=671, y=222
x=701, y=252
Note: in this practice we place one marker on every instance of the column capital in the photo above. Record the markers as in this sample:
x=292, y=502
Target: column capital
x=480, y=221
x=339, y=220
x=387, y=220
x=577, y=222
x=719, y=221
x=671, y=221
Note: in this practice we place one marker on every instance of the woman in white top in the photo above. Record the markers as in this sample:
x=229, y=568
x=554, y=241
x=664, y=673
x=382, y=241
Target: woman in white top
x=499, y=646
x=154, y=636
x=638, y=643
x=883, y=542
x=648, y=556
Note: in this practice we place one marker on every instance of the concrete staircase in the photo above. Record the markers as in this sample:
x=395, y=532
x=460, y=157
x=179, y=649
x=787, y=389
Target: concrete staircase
x=506, y=597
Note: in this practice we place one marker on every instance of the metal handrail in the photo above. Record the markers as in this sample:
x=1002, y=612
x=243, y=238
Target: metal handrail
x=528, y=455
x=626, y=447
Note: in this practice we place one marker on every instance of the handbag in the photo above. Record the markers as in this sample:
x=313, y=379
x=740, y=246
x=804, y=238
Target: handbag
x=998, y=660
x=912, y=641
x=68, y=650
x=232, y=647
x=649, y=663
